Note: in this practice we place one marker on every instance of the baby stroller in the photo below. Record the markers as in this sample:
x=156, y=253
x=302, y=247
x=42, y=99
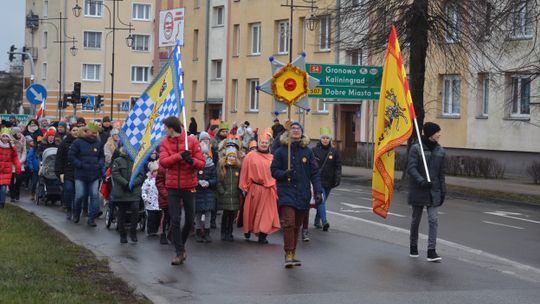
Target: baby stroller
x=111, y=216
x=49, y=185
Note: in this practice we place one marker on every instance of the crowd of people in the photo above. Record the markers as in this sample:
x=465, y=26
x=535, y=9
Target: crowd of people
x=244, y=174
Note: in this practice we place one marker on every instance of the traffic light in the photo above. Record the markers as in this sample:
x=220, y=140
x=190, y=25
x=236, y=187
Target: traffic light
x=76, y=92
x=100, y=99
x=24, y=56
x=11, y=55
x=67, y=99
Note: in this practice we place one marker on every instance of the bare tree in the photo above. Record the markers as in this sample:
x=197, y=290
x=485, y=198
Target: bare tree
x=444, y=31
x=10, y=91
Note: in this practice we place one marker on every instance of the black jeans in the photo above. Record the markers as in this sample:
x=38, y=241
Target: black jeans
x=15, y=186
x=123, y=207
x=180, y=235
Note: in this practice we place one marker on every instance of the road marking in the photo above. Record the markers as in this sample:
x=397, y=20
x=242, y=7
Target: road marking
x=350, y=190
x=368, y=208
x=504, y=225
x=510, y=215
x=354, y=211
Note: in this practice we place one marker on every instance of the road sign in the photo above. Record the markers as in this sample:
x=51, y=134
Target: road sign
x=23, y=118
x=36, y=94
x=125, y=106
x=345, y=81
x=87, y=103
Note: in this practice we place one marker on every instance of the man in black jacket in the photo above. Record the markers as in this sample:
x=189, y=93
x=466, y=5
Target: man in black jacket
x=64, y=170
x=106, y=128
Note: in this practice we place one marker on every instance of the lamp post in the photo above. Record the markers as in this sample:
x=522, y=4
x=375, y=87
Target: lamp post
x=112, y=26
x=73, y=50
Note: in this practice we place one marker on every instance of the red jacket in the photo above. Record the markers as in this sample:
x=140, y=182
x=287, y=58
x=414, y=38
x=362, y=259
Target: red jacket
x=180, y=174
x=162, y=190
x=8, y=159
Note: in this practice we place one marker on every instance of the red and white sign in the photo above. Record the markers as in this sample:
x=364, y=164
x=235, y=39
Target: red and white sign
x=171, y=27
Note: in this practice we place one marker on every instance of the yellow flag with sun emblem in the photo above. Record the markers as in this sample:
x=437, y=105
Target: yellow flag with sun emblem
x=394, y=125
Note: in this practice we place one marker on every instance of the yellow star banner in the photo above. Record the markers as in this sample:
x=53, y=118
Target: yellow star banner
x=394, y=125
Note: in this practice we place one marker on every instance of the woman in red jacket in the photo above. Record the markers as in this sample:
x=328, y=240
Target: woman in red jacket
x=180, y=180
x=8, y=160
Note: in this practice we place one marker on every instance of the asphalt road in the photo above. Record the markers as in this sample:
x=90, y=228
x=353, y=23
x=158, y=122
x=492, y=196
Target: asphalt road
x=360, y=260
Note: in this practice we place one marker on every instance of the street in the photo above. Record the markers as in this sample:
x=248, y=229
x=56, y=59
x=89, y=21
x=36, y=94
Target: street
x=362, y=259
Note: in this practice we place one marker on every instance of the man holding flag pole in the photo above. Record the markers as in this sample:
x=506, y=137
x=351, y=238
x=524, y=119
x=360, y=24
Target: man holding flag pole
x=394, y=127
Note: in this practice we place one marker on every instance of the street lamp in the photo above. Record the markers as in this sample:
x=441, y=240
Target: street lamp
x=77, y=9
x=312, y=22
x=129, y=40
x=73, y=49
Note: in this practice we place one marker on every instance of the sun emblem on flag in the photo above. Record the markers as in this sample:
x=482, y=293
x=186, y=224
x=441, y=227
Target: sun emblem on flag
x=392, y=113
x=163, y=87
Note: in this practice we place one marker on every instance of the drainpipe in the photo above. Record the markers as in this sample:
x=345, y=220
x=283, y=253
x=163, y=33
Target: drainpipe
x=206, y=39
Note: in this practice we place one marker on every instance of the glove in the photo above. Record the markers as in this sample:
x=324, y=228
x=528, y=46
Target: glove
x=443, y=196
x=318, y=199
x=62, y=178
x=204, y=183
x=288, y=174
x=187, y=157
x=426, y=185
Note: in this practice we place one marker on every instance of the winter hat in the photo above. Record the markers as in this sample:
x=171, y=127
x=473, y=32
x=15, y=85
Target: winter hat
x=5, y=131
x=223, y=126
x=50, y=132
x=115, y=132
x=93, y=127
x=106, y=119
x=431, y=128
x=326, y=132
x=153, y=166
x=15, y=130
x=203, y=135
x=296, y=123
x=63, y=124
x=81, y=120
x=29, y=138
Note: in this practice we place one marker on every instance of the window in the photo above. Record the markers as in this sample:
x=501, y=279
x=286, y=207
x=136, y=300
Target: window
x=322, y=106
x=283, y=37
x=45, y=41
x=255, y=39
x=195, y=45
x=236, y=40
x=324, y=37
x=521, y=96
x=451, y=95
x=216, y=69
x=44, y=71
x=522, y=19
x=453, y=19
x=141, y=12
x=253, y=95
x=234, y=97
x=139, y=74
x=93, y=8
x=197, y=4
x=357, y=57
x=45, y=8
x=483, y=90
x=91, y=72
x=219, y=16
x=193, y=90
x=141, y=43
x=92, y=40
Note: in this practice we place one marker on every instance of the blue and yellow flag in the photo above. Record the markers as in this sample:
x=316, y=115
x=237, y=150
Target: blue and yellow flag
x=143, y=129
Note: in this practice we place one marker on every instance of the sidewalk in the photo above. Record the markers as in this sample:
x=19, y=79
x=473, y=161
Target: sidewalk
x=508, y=185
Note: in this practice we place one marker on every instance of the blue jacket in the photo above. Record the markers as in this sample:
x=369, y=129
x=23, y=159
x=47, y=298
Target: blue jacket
x=305, y=172
x=205, y=199
x=32, y=161
x=88, y=159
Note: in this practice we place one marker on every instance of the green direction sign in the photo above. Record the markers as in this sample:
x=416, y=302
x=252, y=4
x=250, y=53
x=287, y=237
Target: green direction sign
x=345, y=81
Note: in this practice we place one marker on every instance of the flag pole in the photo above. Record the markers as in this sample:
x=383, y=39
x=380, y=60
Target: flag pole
x=421, y=149
x=185, y=129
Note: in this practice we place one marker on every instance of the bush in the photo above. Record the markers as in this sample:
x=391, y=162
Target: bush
x=534, y=171
x=474, y=167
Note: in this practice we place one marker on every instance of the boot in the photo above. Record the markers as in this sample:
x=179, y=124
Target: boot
x=262, y=238
x=296, y=262
x=123, y=238
x=289, y=259
x=325, y=226
x=305, y=235
x=163, y=239
x=432, y=256
x=76, y=216
x=198, y=236
x=223, y=227
x=133, y=236
x=230, y=226
x=413, y=252
x=68, y=214
x=207, y=238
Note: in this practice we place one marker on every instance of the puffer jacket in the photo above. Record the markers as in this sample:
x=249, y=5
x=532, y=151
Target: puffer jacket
x=20, y=146
x=162, y=189
x=8, y=158
x=329, y=163
x=32, y=161
x=305, y=172
x=62, y=164
x=419, y=196
x=227, y=189
x=86, y=155
x=205, y=199
x=180, y=174
x=121, y=174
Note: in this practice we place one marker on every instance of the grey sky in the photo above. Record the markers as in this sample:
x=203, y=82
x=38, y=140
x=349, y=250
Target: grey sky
x=11, y=28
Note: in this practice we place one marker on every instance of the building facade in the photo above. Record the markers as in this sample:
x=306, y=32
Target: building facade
x=51, y=46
